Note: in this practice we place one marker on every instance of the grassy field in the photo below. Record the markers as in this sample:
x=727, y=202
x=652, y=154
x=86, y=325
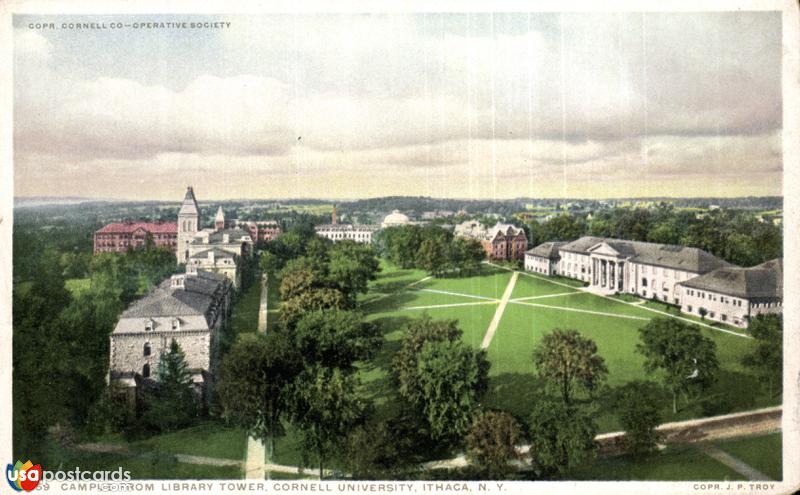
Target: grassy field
x=676, y=463
x=147, y=466
x=537, y=306
x=763, y=453
x=209, y=440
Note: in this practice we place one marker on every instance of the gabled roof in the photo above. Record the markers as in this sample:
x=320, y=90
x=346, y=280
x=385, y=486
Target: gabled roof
x=547, y=250
x=194, y=299
x=665, y=255
x=130, y=227
x=764, y=281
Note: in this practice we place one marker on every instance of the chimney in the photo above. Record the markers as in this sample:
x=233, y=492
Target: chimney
x=333, y=215
x=226, y=238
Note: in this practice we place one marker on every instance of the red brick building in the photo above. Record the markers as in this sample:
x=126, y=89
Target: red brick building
x=260, y=230
x=506, y=243
x=503, y=242
x=120, y=236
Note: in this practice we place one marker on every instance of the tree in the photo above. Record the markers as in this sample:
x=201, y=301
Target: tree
x=432, y=255
x=566, y=360
x=335, y=338
x=326, y=406
x=702, y=312
x=267, y=263
x=491, y=443
x=381, y=450
x=351, y=267
x=415, y=335
x=255, y=383
x=637, y=405
x=687, y=358
x=466, y=255
x=452, y=378
x=174, y=403
x=562, y=436
x=767, y=358
x=293, y=309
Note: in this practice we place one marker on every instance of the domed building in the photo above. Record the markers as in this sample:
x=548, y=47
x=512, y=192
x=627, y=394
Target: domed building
x=395, y=219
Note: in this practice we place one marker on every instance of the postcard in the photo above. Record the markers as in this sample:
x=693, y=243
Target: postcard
x=399, y=247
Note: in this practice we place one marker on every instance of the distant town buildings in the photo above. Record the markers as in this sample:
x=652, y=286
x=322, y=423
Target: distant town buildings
x=696, y=281
x=120, y=236
x=260, y=230
x=503, y=242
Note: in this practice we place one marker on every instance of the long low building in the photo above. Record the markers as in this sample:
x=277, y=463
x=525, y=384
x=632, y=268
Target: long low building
x=341, y=232
x=659, y=271
x=119, y=237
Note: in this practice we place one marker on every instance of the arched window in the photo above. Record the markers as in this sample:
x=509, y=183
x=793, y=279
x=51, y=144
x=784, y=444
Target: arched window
x=146, y=371
x=146, y=351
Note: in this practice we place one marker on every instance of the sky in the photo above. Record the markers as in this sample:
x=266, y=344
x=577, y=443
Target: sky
x=538, y=105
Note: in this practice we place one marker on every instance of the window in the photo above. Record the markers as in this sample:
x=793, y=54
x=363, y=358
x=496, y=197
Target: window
x=724, y=317
x=146, y=351
x=688, y=309
x=146, y=371
x=711, y=314
x=148, y=325
x=644, y=282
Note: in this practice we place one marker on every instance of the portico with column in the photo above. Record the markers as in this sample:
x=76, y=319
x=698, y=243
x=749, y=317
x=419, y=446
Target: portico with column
x=608, y=273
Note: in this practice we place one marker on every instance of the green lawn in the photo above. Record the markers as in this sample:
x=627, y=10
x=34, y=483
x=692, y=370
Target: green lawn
x=245, y=312
x=764, y=452
x=612, y=324
x=676, y=463
x=146, y=466
x=208, y=440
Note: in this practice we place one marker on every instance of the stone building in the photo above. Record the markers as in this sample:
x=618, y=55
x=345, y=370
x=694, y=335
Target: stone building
x=196, y=242
x=502, y=242
x=188, y=221
x=336, y=231
x=340, y=232
x=189, y=308
x=543, y=258
x=118, y=237
x=678, y=275
x=735, y=295
x=216, y=260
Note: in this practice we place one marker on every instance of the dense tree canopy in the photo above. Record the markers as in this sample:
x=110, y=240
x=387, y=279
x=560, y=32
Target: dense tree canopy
x=687, y=358
x=561, y=436
x=565, y=359
x=637, y=405
x=335, y=338
x=255, y=382
x=326, y=405
x=491, y=443
x=430, y=248
x=767, y=358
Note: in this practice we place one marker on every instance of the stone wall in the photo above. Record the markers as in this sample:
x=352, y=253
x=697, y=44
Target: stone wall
x=127, y=350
